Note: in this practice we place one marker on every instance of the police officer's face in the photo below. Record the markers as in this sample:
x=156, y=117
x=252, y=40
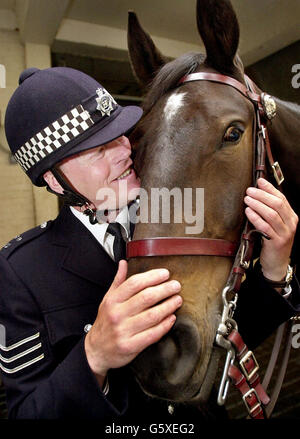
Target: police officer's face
x=104, y=174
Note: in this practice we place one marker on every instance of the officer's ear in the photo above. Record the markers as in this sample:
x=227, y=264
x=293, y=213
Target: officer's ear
x=52, y=182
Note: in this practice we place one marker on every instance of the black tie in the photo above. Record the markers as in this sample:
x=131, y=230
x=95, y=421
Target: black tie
x=119, y=247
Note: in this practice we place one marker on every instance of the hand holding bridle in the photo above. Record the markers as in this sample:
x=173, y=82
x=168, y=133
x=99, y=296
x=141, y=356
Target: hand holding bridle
x=270, y=212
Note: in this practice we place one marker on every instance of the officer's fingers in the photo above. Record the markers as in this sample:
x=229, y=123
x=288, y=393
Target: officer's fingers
x=270, y=216
x=141, y=341
x=151, y=296
x=153, y=316
x=267, y=186
x=272, y=197
x=120, y=277
x=260, y=224
x=138, y=282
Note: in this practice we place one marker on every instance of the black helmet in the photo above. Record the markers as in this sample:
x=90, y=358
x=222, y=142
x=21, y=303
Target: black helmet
x=58, y=112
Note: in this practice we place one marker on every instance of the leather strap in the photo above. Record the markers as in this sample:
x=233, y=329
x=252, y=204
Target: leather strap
x=274, y=356
x=222, y=79
x=250, y=397
x=246, y=379
x=169, y=246
x=248, y=364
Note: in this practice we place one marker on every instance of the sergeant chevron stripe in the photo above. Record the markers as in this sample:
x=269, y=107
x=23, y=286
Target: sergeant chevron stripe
x=19, y=343
x=6, y=363
x=21, y=354
x=22, y=366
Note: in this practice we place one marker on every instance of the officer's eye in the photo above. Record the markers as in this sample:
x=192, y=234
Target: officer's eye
x=233, y=134
x=101, y=150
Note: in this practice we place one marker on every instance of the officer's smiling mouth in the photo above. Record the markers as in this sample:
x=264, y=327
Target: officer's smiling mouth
x=124, y=174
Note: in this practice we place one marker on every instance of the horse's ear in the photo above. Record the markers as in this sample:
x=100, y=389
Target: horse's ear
x=219, y=30
x=145, y=58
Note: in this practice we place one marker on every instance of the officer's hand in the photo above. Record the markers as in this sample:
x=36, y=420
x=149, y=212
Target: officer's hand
x=134, y=314
x=269, y=211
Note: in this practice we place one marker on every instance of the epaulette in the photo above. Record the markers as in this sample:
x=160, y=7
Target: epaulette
x=20, y=240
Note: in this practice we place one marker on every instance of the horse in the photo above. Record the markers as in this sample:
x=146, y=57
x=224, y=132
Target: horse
x=199, y=134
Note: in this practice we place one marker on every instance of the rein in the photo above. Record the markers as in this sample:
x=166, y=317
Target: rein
x=244, y=376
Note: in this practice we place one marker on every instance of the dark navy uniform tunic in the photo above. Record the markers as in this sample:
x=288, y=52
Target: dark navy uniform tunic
x=52, y=279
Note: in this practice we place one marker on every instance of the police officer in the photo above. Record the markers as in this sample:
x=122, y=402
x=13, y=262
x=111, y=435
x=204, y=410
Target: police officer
x=73, y=321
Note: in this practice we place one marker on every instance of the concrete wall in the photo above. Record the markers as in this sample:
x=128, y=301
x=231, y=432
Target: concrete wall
x=21, y=206
x=16, y=213
x=279, y=74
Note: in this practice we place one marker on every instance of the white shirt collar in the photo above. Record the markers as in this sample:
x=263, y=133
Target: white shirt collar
x=98, y=230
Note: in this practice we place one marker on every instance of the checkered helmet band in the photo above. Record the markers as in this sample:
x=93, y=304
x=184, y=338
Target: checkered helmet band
x=53, y=137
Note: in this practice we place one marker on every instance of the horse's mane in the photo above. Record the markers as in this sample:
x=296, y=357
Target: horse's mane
x=169, y=75
x=291, y=105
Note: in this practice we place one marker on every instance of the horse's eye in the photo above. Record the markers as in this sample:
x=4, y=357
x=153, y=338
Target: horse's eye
x=233, y=135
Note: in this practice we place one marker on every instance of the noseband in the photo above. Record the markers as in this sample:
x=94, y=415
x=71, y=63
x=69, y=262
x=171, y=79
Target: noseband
x=244, y=377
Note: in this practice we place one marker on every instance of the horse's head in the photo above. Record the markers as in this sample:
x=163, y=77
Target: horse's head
x=196, y=135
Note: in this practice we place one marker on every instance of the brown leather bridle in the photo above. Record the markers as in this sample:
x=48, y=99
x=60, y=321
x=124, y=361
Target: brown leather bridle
x=245, y=378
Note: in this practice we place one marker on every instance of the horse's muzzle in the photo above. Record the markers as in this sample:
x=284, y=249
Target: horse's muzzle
x=165, y=368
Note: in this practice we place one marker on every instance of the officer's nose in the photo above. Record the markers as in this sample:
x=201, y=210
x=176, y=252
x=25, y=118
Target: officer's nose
x=124, y=142
x=119, y=149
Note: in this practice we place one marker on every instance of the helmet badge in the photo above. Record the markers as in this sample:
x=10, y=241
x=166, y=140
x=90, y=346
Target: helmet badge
x=105, y=102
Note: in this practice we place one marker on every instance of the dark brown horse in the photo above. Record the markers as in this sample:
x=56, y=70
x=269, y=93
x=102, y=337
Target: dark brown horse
x=199, y=135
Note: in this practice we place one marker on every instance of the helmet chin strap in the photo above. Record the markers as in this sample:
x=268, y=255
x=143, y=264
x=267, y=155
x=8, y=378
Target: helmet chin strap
x=73, y=198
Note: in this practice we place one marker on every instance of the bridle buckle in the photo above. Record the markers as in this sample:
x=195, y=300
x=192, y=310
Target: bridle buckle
x=248, y=395
x=277, y=172
x=243, y=262
x=249, y=355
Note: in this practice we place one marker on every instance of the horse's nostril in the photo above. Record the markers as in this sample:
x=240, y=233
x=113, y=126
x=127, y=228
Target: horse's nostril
x=166, y=368
x=179, y=351
x=168, y=352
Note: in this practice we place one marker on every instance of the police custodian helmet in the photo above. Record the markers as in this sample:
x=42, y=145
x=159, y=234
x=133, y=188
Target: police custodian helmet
x=58, y=112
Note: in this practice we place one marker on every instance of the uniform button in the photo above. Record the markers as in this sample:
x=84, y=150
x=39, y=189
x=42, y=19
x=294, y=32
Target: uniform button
x=43, y=225
x=7, y=245
x=18, y=238
x=171, y=409
x=87, y=328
